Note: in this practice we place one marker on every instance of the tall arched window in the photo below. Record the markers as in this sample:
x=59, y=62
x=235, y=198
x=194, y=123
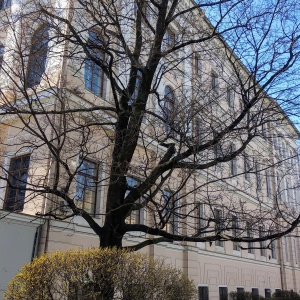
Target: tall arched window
x=38, y=56
x=169, y=108
x=93, y=73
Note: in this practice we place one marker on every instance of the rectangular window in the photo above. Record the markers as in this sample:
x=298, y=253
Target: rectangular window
x=5, y=3
x=93, y=73
x=240, y=293
x=169, y=38
x=278, y=293
x=275, y=142
x=138, y=80
x=200, y=219
x=223, y=293
x=273, y=249
x=230, y=97
x=267, y=293
x=219, y=225
x=203, y=293
x=137, y=216
x=295, y=251
x=17, y=181
x=171, y=212
x=262, y=244
x=247, y=166
x=199, y=131
x=197, y=65
x=286, y=248
x=258, y=177
x=233, y=162
x=214, y=82
x=255, y=294
x=235, y=231
x=264, y=129
x=217, y=147
x=86, y=187
x=269, y=183
x=250, y=235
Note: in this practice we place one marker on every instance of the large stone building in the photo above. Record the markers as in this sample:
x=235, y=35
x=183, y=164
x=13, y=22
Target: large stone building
x=57, y=119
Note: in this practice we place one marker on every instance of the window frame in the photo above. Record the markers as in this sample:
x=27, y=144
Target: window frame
x=249, y=232
x=258, y=176
x=87, y=176
x=247, y=166
x=214, y=84
x=169, y=38
x=262, y=244
x=268, y=293
x=2, y=50
x=94, y=77
x=273, y=248
x=37, y=60
x=200, y=218
x=269, y=187
x=218, y=216
x=5, y=4
x=295, y=251
x=203, y=292
x=235, y=231
x=230, y=97
x=10, y=176
x=223, y=292
x=286, y=249
x=240, y=293
x=255, y=293
x=171, y=212
x=233, y=164
x=137, y=216
x=138, y=79
x=169, y=109
x=197, y=65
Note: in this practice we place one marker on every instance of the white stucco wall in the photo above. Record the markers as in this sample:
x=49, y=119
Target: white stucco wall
x=17, y=233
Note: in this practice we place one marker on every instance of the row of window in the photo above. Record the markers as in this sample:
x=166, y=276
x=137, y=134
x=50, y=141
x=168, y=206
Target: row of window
x=203, y=293
x=86, y=195
x=220, y=228
x=86, y=185
x=93, y=73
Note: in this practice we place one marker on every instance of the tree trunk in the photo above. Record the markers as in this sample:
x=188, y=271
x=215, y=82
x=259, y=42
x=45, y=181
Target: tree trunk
x=111, y=238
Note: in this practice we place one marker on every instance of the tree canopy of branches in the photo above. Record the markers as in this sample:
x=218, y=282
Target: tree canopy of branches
x=143, y=116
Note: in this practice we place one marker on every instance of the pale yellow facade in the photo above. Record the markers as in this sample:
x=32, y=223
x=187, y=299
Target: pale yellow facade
x=210, y=265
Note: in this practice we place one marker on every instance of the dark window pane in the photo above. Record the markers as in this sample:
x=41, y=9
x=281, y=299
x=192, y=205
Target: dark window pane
x=86, y=185
x=255, y=294
x=223, y=293
x=203, y=292
x=93, y=73
x=38, y=56
x=4, y=3
x=17, y=180
x=267, y=293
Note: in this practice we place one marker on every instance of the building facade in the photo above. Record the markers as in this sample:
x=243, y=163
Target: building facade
x=57, y=138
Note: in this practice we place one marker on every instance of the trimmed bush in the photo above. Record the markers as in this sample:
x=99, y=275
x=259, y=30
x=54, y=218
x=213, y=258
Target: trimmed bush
x=244, y=296
x=282, y=295
x=99, y=274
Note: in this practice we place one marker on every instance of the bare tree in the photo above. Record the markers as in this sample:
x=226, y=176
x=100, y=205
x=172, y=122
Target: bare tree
x=178, y=124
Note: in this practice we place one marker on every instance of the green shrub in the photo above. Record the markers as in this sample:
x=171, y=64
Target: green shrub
x=285, y=295
x=244, y=296
x=99, y=274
